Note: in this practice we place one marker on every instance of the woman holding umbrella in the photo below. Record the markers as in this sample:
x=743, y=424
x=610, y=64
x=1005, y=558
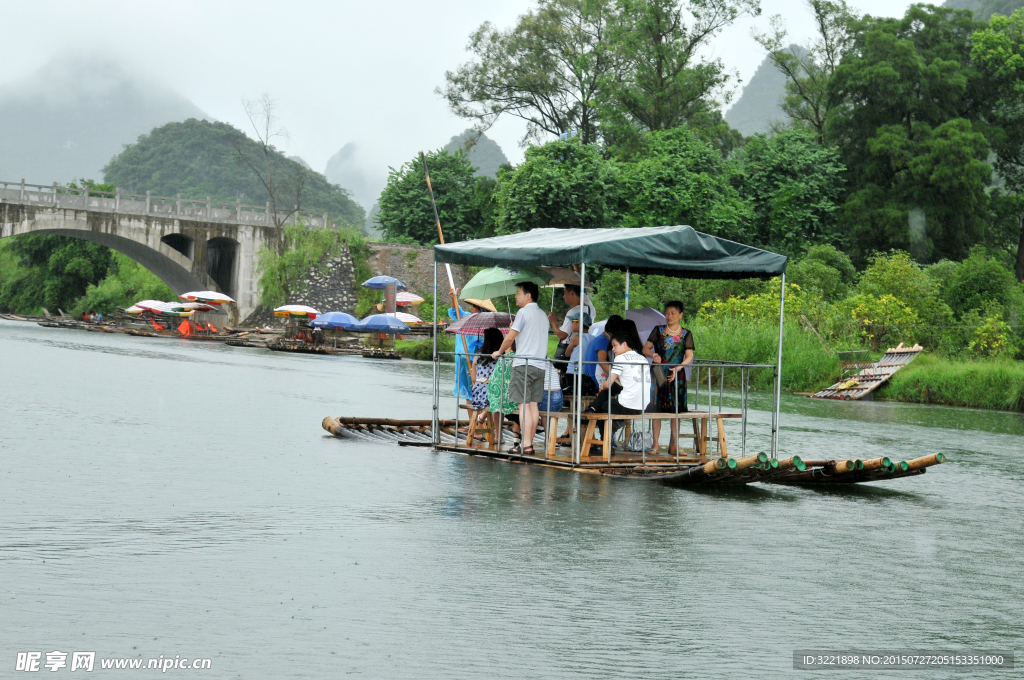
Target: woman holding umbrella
x=466, y=346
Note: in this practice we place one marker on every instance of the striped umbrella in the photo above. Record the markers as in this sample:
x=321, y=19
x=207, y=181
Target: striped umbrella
x=207, y=296
x=476, y=324
x=405, y=298
x=201, y=307
x=300, y=311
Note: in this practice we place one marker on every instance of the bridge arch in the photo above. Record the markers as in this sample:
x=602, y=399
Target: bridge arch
x=184, y=254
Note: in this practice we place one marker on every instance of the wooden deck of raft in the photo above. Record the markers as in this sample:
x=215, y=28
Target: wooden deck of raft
x=872, y=377
x=690, y=467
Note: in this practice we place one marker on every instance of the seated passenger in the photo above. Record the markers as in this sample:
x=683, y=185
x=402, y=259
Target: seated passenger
x=626, y=391
x=671, y=348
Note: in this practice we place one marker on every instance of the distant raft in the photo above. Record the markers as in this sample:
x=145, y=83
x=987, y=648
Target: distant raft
x=871, y=376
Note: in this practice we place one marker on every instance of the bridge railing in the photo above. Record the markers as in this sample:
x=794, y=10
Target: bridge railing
x=77, y=198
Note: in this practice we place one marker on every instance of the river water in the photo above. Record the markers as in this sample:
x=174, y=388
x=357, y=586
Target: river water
x=161, y=497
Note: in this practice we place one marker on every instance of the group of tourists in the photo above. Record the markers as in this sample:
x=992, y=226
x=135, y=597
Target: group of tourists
x=620, y=373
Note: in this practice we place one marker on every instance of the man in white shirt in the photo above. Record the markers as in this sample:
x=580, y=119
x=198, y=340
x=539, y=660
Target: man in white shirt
x=628, y=389
x=572, y=298
x=526, y=383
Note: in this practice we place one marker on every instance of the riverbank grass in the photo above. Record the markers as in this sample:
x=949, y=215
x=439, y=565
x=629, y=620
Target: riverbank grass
x=929, y=379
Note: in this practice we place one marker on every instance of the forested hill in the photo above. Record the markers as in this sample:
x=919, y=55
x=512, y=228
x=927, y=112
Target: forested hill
x=984, y=9
x=198, y=158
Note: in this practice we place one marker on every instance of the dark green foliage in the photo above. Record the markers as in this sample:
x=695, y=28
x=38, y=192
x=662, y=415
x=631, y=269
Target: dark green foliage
x=52, y=272
x=463, y=201
x=912, y=136
x=197, y=159
x=126, y=283
x=679, y=179
x=564, y=184
x=978, y=281
x=483, y=152
x=793, y=185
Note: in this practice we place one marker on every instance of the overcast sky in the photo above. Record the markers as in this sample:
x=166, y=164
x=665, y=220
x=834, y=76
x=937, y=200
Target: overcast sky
x=342, y=71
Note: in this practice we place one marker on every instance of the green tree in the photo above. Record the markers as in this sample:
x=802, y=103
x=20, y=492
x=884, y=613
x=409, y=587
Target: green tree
x=677, y=178
x=978, y=281
x=565, y=184
x=54, y=271
x=911, y=136
x=659, y=80
x=545, y=70
x=463, y=200
x=126, y=283
x=998, y=50
x=793, y=184
x=823, y=271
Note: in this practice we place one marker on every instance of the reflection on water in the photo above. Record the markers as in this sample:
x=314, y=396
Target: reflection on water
x=163, y=497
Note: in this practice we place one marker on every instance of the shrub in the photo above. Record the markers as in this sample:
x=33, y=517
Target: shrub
x=976, y=281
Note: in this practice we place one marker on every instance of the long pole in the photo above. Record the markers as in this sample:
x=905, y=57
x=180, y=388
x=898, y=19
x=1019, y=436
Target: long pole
x=440, y=236
x=578, y=383
x=778, y=373
x=436, y=435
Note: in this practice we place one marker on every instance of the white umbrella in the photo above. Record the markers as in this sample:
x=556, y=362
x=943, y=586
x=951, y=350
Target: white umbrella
x=208, y=296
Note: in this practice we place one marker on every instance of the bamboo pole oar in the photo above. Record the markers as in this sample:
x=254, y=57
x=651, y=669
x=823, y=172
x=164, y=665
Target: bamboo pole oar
x=440, y=236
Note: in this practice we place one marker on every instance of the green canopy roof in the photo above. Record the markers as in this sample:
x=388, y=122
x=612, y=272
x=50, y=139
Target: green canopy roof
x=673, y=251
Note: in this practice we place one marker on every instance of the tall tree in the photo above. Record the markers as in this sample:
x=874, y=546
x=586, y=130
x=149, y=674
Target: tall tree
x=284, y=188
x=659, y=80
x=794, y=185
x=911, y=136
x=545, y=70
x=405, y=211
x=809, y=100
x=999, y=51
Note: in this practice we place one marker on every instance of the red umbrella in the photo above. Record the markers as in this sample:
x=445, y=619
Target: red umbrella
x=476, y=324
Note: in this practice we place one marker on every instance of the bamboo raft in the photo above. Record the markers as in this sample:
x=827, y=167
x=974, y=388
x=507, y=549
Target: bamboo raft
x=871, y=378
x=693, y=469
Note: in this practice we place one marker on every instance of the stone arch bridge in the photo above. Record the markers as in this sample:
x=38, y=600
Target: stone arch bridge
x=189, y=245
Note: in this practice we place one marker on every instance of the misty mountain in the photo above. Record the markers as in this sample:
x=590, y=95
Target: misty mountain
x=70, y=117
x=485, y=154
x=351, y=169
x=984, y=9
x=759, y=104
x=198, y=158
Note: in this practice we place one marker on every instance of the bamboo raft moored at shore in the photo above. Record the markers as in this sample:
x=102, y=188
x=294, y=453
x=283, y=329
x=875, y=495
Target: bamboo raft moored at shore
x=692, y=470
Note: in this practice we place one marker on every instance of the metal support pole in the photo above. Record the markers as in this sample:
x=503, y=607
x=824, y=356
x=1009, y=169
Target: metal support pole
x=578, y=382
x=744, y=375
x=434, y=414
x=778, y=373
x=627, y=289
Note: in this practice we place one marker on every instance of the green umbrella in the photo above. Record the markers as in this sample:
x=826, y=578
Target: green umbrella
x=498, y=281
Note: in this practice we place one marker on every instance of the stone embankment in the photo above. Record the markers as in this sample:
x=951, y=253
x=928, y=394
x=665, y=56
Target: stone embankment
x=335, y=290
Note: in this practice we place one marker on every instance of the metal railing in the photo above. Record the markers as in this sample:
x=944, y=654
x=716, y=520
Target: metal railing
x=208, y=210
x=710, y=368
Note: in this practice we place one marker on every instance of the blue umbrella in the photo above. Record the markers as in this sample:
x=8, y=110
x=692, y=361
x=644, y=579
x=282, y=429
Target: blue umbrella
x=385, y=323
x=382, y=281
x=335, y=320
